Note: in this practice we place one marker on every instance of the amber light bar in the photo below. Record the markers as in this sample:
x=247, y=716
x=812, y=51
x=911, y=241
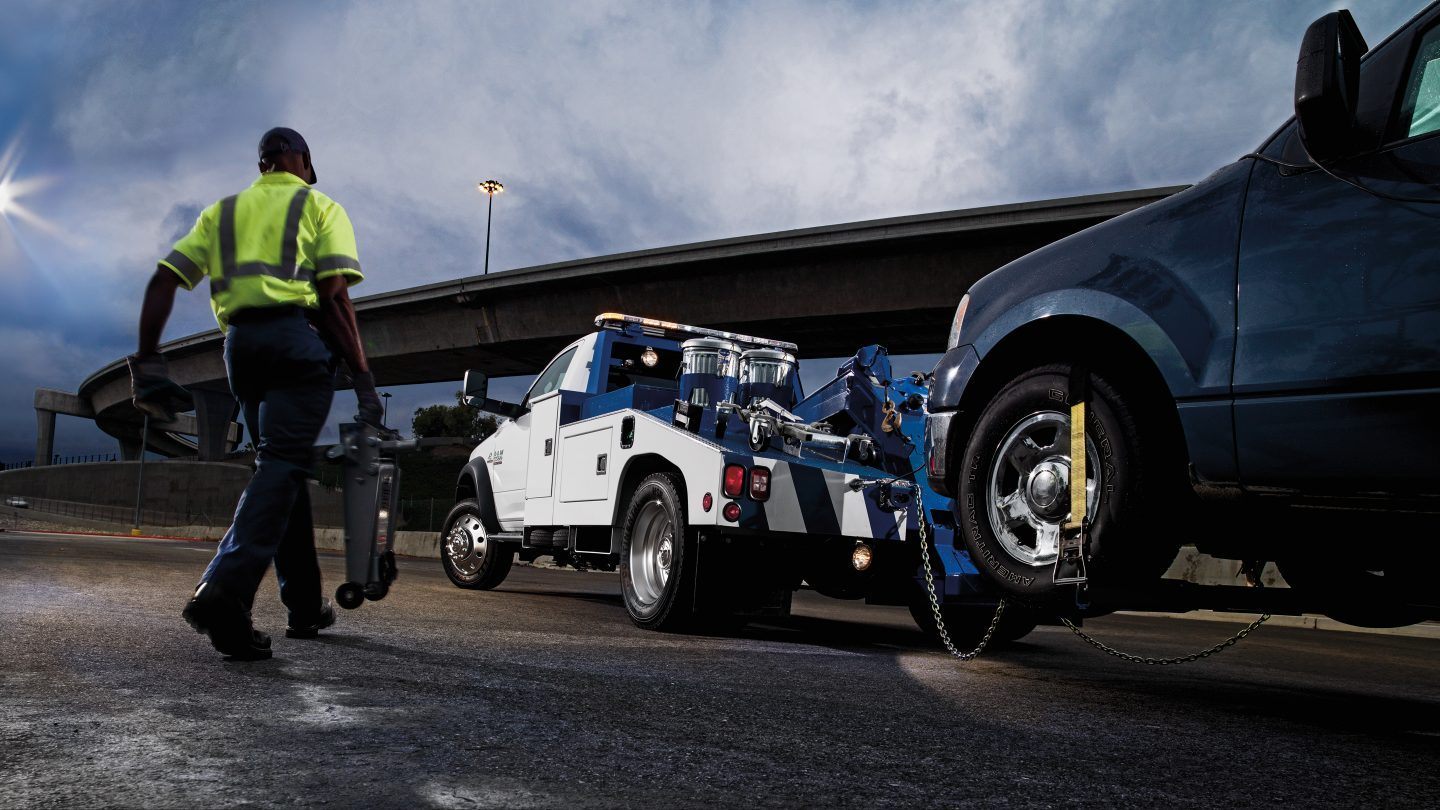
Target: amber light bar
x=616, y=320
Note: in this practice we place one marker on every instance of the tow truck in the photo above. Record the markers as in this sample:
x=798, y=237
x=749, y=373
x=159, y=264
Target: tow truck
x=690, y=460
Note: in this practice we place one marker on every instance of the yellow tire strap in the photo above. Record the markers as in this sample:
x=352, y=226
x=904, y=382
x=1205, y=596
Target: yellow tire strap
x=1078, y=501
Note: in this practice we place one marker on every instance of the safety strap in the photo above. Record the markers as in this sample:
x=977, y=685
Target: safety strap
x=1074, y=535
x=288, y=269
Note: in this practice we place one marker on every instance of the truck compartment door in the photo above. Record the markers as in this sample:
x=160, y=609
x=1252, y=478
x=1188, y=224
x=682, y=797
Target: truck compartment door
x=544, y=424
x=586, y=473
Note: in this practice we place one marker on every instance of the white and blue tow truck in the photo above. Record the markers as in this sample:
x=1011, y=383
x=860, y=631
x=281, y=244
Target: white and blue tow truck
x=690, y=460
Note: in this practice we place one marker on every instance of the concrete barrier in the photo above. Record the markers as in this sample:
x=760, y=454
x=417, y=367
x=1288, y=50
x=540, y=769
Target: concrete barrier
x=175, y=491
x=409, y=544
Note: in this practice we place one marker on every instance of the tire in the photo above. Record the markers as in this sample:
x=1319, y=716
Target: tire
x=967, y=625
x=1012, y=507
x=657, y=556
x=1347, y=592
x=470, y=558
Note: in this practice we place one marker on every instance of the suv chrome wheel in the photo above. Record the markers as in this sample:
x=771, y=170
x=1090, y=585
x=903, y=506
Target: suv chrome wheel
x=1028, y=489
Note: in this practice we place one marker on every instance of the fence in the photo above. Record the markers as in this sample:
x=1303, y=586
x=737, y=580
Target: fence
x=81, y=459
x=416, y=514
x=124, y=515
x=424, y=514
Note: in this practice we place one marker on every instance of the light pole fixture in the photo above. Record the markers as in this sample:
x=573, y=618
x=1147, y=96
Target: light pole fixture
x=489, y=188
x=385, y=411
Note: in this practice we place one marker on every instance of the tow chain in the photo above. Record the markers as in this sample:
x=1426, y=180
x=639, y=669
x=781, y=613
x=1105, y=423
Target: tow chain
x=1082, y=635
x=935, y=600
x=1161, y=662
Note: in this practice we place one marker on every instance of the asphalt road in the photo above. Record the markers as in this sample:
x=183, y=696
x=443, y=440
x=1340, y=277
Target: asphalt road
x=543, y=694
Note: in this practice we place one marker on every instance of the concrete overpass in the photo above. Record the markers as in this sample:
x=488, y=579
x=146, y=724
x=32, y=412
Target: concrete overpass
x=830, y=290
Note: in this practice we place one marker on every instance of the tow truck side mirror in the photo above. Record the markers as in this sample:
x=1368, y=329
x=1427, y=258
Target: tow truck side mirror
x=475, y=388
x=1327, y=81
x=475, y=393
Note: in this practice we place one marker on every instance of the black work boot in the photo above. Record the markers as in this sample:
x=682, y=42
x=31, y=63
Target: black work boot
x=310, y=626
x=226, y=621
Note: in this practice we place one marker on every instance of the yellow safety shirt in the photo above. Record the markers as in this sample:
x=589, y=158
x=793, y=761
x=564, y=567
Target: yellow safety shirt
x=267, y=246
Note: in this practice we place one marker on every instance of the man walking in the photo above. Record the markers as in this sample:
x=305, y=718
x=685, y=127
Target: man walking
x=279, y=257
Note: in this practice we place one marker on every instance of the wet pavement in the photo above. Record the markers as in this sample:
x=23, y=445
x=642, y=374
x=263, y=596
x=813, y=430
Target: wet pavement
x=543, y=694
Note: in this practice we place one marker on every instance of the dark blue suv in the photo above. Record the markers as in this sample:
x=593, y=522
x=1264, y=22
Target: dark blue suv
x=1261, y=352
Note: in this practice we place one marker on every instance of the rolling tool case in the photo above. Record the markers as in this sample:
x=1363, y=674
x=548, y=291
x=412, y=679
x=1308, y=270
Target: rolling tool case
x=371, y=487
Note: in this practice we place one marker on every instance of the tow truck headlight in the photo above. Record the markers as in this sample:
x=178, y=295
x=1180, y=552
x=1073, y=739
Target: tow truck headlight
x=759, y=483
x=734, y=484
x=649, y=357
x=958, y=322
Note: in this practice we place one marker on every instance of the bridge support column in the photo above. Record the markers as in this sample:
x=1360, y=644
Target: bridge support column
x=129, y=449
x=214, y=411
x=44, y=437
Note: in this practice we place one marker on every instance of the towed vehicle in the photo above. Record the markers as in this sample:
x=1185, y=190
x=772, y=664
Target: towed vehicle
x=1260, y=357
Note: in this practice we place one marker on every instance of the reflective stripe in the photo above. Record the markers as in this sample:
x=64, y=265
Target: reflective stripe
x=188, y=269
x=290, y=242
x=287, y=270
x=305, y=274
x=337, y=263
x=227, y=237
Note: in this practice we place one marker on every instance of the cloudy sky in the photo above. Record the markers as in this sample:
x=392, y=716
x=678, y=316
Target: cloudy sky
x=614, y=125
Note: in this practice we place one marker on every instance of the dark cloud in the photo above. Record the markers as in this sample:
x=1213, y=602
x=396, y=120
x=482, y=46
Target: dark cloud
x=616, y=125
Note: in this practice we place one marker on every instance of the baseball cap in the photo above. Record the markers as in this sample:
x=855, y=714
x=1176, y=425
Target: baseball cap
x=284, y=139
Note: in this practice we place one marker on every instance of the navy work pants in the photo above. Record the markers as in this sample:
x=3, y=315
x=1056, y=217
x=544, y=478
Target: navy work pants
x=283, y=376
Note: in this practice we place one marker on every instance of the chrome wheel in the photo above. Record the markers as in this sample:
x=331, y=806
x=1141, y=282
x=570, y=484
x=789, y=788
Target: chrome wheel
x=652, y=552
x=1028, y=491
x=466, y=545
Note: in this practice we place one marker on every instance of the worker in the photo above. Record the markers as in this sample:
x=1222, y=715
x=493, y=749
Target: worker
x=280, y=258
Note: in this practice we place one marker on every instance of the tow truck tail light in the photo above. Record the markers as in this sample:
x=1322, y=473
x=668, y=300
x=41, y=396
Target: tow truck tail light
x=760, y=483
x=734, y=484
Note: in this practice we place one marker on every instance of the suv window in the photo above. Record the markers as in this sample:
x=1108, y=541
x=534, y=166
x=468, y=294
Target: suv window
x=1420, y=108
x=550, y=378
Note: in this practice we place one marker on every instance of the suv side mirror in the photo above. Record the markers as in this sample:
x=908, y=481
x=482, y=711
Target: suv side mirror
x=1327, y=81
x=475, y=388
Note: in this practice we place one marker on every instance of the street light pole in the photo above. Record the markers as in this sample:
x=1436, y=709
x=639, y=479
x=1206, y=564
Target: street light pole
x=385, y=412
x=489, y=188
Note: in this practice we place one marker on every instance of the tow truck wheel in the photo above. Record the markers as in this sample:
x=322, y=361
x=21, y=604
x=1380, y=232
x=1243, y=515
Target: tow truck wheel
x=967, y=624
x=471, y=559
x=1015, y=482
x=657, y=558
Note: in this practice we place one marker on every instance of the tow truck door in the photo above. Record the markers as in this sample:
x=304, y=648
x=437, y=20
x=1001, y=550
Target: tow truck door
x=543, y=402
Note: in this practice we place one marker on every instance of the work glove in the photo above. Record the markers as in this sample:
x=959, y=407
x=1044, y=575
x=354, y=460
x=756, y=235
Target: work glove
x=152, y=391
x=372, y=412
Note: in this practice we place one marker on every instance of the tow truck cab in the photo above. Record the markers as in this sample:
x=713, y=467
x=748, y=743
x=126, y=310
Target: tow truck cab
x=601, y=372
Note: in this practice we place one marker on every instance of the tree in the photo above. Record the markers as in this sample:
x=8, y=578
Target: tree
x=453, y=420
